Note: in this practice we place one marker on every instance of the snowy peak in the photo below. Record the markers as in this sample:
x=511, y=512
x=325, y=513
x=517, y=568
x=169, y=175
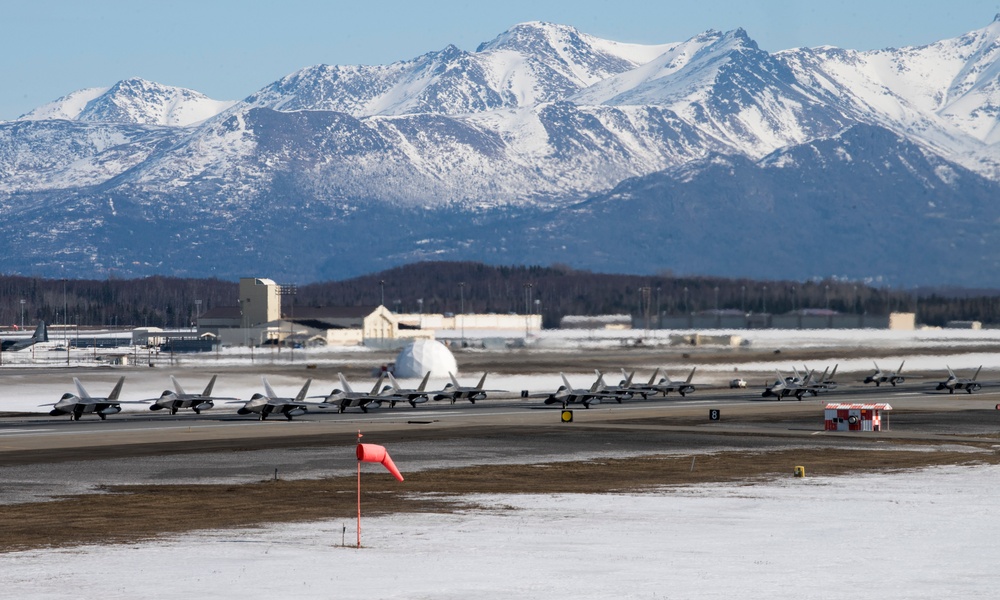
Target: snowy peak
x=132, y=101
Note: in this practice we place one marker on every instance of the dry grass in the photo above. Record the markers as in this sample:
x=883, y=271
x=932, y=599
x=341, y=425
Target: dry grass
x=133, y=513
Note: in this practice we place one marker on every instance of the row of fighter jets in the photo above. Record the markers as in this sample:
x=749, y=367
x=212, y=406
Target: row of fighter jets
x=798, y=385
x=270, y=403
x=952, y=383
x=342, y=398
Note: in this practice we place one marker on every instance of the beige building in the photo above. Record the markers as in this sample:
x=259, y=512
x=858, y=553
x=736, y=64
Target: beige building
x=260, y=301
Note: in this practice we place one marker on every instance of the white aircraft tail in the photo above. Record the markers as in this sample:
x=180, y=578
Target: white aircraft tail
x=268, y=390
x=395, y=384
x=177, y=385
x=80, y=389
x=344, y=385
x=690, y=375
x=482, y=381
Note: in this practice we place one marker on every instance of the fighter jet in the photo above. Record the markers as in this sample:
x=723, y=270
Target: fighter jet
x=394, y=393
x=345, y=398
x=956, y=383
x=40, y=335
x=666, y=385
x=784, y=387
x=879, y=377
x=621, y=391
x=175, y=400
x=268, y=403
x=566, y=394
x=76, y=405
x=640, y=389
x=455, y=391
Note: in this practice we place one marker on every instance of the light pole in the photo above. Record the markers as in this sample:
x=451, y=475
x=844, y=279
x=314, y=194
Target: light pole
x=381, y=288
x=197, y=311
x=461, y=309
x=22, y=313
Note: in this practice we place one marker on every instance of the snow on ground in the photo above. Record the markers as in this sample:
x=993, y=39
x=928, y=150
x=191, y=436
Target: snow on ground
x=25, y=392
x=926, y=534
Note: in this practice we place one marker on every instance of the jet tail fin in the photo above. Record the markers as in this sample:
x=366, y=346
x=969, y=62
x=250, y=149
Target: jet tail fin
x=80, y=389
x=209, y=387
x=177, y=385
x=690, y=375
x=118, y=389
x=344, y=385
x=482, y=381
x=977, y=372
x=423, y=383
x=395, y=384
x=41, y=333
x=378, y=384
x=302, y=393
x=268, y=390
x=652, y=379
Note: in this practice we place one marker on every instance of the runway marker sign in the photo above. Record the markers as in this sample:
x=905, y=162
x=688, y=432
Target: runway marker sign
x=714, y=414
x=566, y=416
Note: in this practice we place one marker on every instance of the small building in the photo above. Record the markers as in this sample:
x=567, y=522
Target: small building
x=856, y=417
x=619, y=322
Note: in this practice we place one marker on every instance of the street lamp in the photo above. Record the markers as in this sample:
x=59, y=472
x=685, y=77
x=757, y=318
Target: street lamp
x=22, y=313
x=381, y=288
x=461, y=309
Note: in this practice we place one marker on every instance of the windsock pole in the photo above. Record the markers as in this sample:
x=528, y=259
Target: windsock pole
x=359, y=495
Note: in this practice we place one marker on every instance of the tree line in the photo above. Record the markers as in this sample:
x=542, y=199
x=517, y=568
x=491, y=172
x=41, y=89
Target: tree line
x=453, y=287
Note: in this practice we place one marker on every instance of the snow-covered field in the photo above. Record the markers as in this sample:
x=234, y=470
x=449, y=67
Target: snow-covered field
x=926, y=534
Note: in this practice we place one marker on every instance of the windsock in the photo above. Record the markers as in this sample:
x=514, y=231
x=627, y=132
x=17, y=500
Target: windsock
x=376, y=453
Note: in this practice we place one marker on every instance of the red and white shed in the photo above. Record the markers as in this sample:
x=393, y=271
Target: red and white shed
x=856, y=417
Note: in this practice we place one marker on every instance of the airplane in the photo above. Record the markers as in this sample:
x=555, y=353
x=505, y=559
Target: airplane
x=175, y=400
x=268, y=403
x=666, y=385
x=394, y=393
x=878, y=377
x=641, y=389
x=621, y=391
x=456, y=391
x=784, y=387
x=955, y=383
x=566, y=394
x=41, y=335
x=826, y=383
x=346, y=398
x=76, y=405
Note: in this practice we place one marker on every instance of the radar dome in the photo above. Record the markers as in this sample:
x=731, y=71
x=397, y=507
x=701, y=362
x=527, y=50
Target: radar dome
x=425, y=355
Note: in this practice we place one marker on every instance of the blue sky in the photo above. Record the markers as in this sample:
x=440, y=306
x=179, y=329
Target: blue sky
x=228, y=49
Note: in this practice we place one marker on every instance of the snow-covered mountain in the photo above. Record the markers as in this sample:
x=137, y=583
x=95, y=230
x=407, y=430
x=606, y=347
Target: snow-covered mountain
x=530, y=125
x=132, y=101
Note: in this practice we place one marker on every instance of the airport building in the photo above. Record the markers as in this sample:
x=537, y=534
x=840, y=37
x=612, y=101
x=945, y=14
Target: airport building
x=800, y=319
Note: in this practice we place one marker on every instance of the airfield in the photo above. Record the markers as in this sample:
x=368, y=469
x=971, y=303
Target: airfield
x=504, y=481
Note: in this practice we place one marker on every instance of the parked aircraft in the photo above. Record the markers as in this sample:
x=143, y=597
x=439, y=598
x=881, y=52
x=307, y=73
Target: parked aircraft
x=346, y=398
x=620, y=391
x=784, y=387
x=641, y=389
x=395, y=393
x=666, y=385
x=175, y=400
x=456, y=391
x=879, y=377
x=41, y=335
x=81, y=403
x=957, y=383
x=566, y=394
x=269, y=403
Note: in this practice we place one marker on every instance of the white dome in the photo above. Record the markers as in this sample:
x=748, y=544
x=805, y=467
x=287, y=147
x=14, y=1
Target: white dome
x=425, y=355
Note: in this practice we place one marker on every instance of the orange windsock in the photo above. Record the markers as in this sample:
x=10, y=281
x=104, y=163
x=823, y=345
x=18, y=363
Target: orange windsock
x=376, y=453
